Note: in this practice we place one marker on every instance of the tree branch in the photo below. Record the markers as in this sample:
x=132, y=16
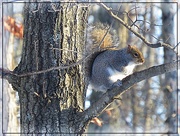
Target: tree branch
x=152, y=45
x=98, y=107
x=6, y=74
x=11, y=77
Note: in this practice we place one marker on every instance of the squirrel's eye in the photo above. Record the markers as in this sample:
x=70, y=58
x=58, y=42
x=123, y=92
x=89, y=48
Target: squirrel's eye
x=135, y=54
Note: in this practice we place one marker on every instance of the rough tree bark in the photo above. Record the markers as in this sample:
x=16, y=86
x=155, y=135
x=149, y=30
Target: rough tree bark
x=50, y=102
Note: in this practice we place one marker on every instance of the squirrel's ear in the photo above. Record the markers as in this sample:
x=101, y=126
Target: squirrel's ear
x=129, y=48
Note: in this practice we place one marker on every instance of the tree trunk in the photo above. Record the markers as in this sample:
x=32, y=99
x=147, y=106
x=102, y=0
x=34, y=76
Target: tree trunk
x=170, y=78
x=51, y=101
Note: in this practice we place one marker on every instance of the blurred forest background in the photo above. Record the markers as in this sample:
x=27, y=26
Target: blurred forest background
x=149, y=106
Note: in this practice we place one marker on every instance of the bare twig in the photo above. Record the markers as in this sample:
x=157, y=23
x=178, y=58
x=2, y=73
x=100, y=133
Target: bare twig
x=76, y=52
x=41, y=71
x=4, y=73
x=139, y=20
x=152, y=45
x=9, y=75
x=176, y=45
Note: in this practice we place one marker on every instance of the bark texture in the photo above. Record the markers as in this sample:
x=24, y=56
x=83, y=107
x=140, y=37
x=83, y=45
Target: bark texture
x=51, y=102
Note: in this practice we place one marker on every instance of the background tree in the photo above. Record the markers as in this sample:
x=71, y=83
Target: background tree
x=10, y=48
x=170, y=79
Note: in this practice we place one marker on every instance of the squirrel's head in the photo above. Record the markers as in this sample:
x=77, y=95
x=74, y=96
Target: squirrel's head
x=138, y=57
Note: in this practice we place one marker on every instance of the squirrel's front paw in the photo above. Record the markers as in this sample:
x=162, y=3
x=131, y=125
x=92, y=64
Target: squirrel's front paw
x=118, y=83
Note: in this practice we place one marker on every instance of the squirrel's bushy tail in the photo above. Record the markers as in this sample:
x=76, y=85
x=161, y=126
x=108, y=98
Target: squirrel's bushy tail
x=99, y=37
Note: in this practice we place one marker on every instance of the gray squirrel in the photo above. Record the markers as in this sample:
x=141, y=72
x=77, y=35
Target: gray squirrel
x=110, y=66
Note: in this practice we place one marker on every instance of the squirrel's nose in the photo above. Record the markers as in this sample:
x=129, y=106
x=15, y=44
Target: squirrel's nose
x=142, y=60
